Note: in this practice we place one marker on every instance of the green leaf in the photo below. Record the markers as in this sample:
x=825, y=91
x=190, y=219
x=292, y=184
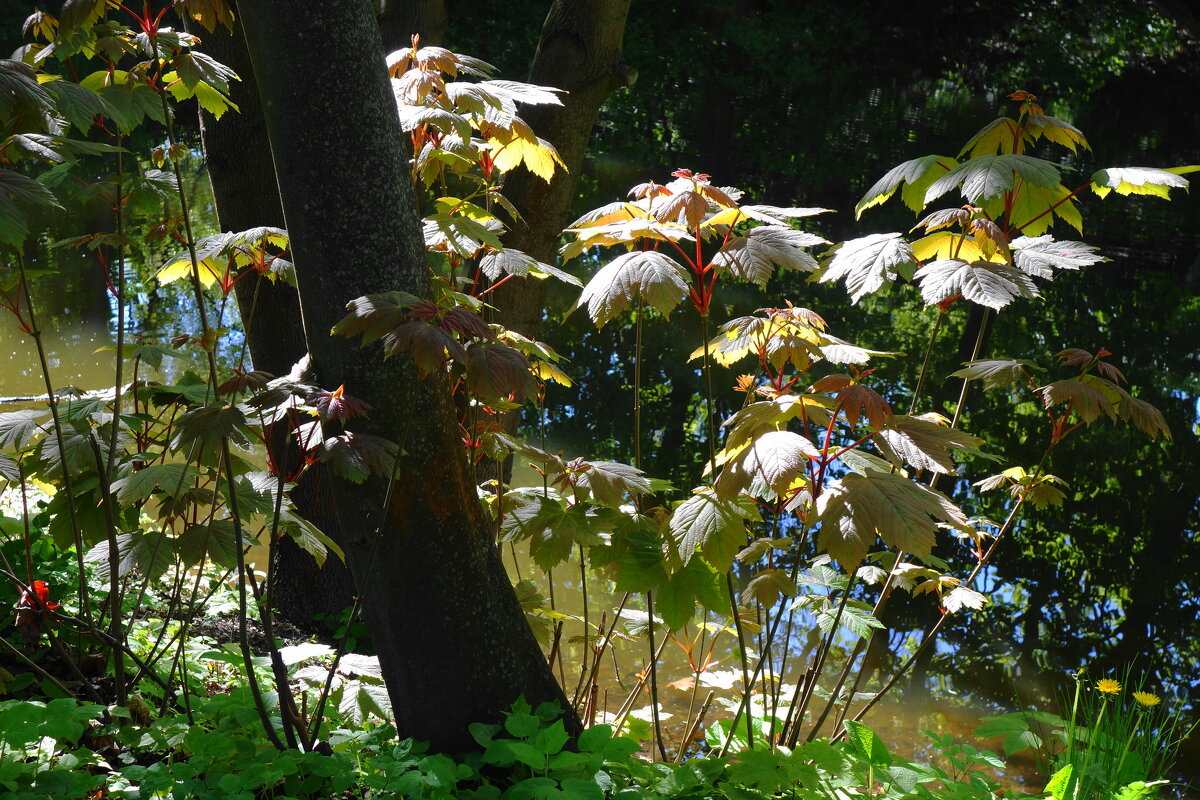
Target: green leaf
x=308, y=536
x=150, y=552
x=1138, y=790
x=755, y=255
x=552, y=527
x=18, y=427
x=986, y=283
x=986, y=177
x=866, y=744
x=914, y=175
x=1063, y=785
x=1014, y=728
x=209, y=426
x=460, y=235
x=1137, y=180
x=511, y=261
x=17, y=190
x=170, y=478
x=866, y=264
x=676, y=599
x=707, y=524
x=657, y=279
x=374, y=315
x=997, y=373
x=215, y=540
x=856, y=617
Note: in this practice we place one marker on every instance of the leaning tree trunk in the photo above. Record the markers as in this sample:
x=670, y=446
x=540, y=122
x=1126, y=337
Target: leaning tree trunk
x=580, y=51
x=238, y=155
x=452, y=639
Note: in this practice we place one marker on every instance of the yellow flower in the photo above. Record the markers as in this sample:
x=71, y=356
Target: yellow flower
x=1108, y=686
x=1146, y=699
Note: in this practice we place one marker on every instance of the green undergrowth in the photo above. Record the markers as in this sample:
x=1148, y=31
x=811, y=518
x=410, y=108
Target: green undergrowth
x=66, y=749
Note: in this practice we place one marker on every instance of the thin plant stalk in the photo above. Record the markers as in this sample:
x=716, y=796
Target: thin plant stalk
x=709, y=413
x=68, y=481
x=652, y=669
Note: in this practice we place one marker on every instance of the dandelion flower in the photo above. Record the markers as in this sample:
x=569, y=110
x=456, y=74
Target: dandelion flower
x=1108, y=686
x=1146, y=699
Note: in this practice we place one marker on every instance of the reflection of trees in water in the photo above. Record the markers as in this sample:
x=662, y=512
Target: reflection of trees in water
x=1111, y=576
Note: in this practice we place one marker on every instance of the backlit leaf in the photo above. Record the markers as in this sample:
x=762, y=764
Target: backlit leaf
x=497, y=371
x=754, y=256
x=659, y=280
x=1040, y=256
x=768, y=467
x=355, y=456
x=914, y=175
x=998, y=136
x=1137, y=180
x=1085, y=398
x=215, y=540
x=923, y=444
x=865, y=264
x=997, y=373
x=986, y=177
x=904, y=514
x=610, y=481
x=767, y=587
x=1056, y=130
x=676, y=598
x=986, y=283
x=961, y=597
x=707, y=524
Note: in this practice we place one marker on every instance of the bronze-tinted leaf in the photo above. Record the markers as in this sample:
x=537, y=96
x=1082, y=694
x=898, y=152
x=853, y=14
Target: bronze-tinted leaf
x=355, y=456
x=374, y=315
x=497, y=371
x=688, y=207
x=429, y=346
x=858, y=401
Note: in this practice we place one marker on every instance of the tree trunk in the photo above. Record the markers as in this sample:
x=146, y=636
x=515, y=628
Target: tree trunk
x=580, y=51
x=452, y=639
x=238, y=154
x=400, y=19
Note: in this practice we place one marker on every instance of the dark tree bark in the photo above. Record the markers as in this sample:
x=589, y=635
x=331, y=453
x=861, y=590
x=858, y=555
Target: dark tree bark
x=238, y=154
x=452, y=640
x=579, y=51
x=400, y=19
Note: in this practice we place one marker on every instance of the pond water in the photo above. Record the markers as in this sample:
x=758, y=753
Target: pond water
x=80, y=348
